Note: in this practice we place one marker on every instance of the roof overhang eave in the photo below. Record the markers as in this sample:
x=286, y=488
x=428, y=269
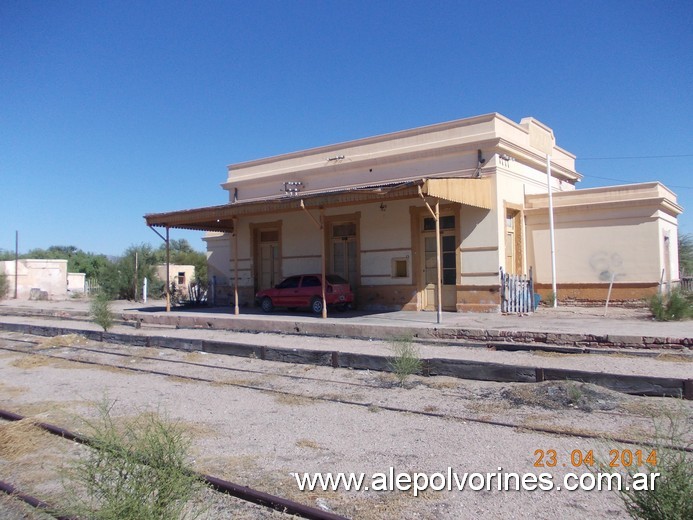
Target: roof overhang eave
x=220, y=218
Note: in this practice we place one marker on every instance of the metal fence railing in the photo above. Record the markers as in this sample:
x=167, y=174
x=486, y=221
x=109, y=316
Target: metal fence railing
x=517, y=292
x=91, y=286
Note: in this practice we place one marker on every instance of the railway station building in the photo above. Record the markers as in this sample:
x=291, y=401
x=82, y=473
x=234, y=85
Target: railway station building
x=368, y=210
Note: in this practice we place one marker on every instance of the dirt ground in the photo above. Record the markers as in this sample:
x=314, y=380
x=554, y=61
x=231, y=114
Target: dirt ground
x=257, y=423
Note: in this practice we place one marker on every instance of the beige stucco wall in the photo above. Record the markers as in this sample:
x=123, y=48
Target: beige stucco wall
x=479, y=248
x=605, y=232
x=46, y=275
x=300, y=244
x=75, y=283
x=588, y=252
x=600, y=231
x=384, y=236
x=218, y=256
x=174, y=269
x=447, y=149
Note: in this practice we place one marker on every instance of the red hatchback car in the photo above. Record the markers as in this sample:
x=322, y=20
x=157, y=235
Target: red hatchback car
x=305, y=290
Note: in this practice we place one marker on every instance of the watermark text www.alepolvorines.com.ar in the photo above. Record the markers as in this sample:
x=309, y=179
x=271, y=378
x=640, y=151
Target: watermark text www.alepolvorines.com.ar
x=493, y=481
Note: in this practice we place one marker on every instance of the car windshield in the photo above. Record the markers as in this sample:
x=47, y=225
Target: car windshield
x=336, y=280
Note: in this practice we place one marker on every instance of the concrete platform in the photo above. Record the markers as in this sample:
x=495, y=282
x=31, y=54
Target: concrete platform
x=364, y=341
x=579, y=327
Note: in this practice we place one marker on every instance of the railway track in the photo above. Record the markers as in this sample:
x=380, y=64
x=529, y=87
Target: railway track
x=217, y=484
x=316, y=398
x=194, y=363
x=470, y=369
x=239, y=370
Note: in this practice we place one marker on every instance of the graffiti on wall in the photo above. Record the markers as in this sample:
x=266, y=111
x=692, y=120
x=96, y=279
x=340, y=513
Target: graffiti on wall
x=607, y=265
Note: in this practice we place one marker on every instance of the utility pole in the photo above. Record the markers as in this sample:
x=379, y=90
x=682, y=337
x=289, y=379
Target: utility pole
x=16, y=262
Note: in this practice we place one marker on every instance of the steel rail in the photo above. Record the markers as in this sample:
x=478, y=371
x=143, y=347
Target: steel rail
x=193, y=363
x=37, y=503
x=396, y=409
x=259, y=372
x=220, y=485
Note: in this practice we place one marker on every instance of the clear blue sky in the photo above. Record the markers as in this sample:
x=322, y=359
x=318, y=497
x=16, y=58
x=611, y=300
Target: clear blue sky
x=110, y=110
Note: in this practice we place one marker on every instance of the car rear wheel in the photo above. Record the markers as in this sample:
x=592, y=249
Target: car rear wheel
x=316, y=305
x=267, y=304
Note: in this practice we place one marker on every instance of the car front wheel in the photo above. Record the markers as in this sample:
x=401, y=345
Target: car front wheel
x=316, y=305
x=267, y=304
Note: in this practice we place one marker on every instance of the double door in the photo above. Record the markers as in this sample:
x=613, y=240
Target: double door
x=448, y=262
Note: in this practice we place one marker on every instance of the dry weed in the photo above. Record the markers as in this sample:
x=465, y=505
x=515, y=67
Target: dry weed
x=532, y=423
x=194, y=356
x=180, y=379
x=19, y=438
x=236, y=468
x=11, y=391
x=558, y=395
x=307, y=443
x=441, y=384
x=292, y=400
x=66, y=340
x=641, y=407
x=488, y=406
x=549, y=354
x=31, y=361
x=675, y=357
x=234, y=381
x=335, y=397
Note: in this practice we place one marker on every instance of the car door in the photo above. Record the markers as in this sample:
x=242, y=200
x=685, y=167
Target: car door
x=287, y=292
x=310, y=288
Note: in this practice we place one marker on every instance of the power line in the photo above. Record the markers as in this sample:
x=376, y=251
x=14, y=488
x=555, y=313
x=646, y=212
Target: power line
x=617, y=158
x=633, y=157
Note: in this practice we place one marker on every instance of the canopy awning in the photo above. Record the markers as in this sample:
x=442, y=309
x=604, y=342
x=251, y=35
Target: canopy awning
x=473, y=192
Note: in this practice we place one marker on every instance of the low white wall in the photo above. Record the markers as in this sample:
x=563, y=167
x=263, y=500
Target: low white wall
x=75, y=282
x=48, y=277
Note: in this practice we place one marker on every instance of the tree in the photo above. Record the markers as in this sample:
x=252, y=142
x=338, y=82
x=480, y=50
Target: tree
x=183, y=253
x=77, y=260
x=117, y=279
x=4, y=285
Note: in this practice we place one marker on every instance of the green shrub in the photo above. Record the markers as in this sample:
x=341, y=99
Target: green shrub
x=574, y=393
x=406, y=359
x=673, y=307
x=4, y=285
x=137, y=468
x=672, y=496
x=101, y=312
